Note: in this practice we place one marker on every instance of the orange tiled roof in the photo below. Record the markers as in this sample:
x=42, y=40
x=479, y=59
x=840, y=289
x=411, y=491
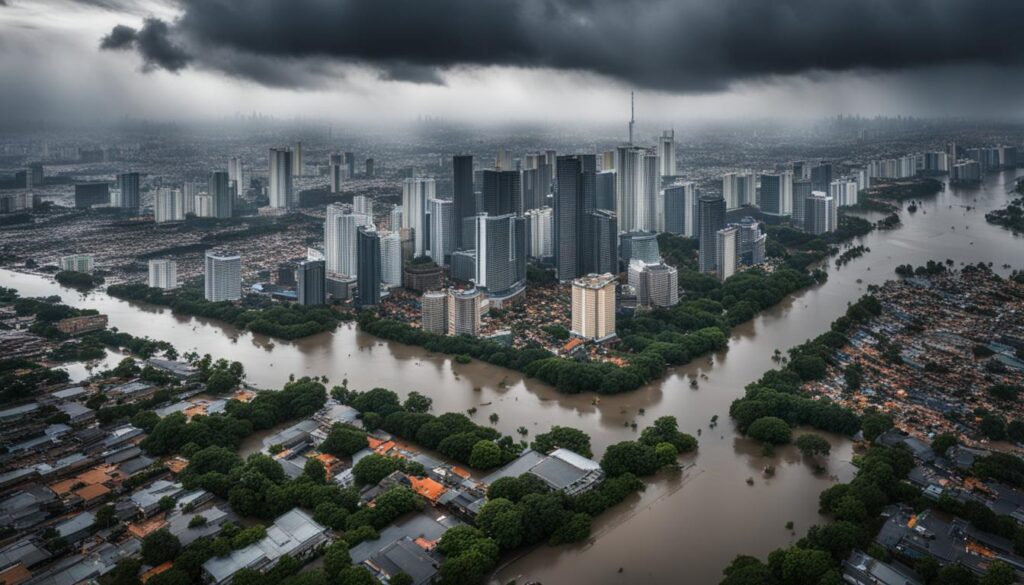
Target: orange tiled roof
x=464, y=474
x=427, y=488
x=15, y=574
x=573, y=344
x=155, y=571
x=91, y=492
x=425, y=544
x=176, y=464
x=144, y=527
x=243, y=395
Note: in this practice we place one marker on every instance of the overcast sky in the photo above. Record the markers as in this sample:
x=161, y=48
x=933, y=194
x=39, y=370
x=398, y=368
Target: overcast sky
x=510, y=60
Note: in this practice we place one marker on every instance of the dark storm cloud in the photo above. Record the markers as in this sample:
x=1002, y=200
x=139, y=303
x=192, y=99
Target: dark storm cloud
x=153, y=43
x=684, y=45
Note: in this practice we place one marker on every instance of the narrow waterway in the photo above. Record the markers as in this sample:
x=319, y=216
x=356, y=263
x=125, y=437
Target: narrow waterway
x=690, y=525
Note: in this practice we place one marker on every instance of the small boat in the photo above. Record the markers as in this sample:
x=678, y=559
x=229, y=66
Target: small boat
x=750, y=481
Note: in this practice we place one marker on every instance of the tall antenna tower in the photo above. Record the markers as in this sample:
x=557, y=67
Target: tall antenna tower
x=632, y=116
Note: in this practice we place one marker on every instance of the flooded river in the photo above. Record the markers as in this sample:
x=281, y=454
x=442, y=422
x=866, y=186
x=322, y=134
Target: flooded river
x=684, y=528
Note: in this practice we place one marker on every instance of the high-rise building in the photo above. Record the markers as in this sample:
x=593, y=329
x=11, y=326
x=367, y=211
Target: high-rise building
x=223, y=199
x=843, y=192
x=710, y=219
x=395, y=218
x=463, y=196
x=338, y=173
x=391, y=259
x=340, y=229
x=503, y=161
x=369, y=168
x=821, y=177
x=298, y=163
x=311, y=286
x=593, y=306
x=190, y=190
x=89, y=194
x=820, y=213
x=667, y=154
x=605, y=190
x=442, y=230
x=727, y=247
x=502, y=192
x=574, y=197
x=641, y=246
x=369, y=268
x=77, y=263
x=416, y=192
x=362, y=205
x=536, y=181
x=130, y=197
x=752, y=242
x=501, y=255
x=739, y=189
x=540, y=232
x=236, y=175
x=350, y=165
x=801, y=191
x=656, y=285
x=771, y=194
x=222, y=276
x=163, y=274
x=601, y=252
x=203, y=205
x=681, y=208
x=434, y=312
x=463, y=265
x=279, y=188
x=464, y=311
x=636, y=188
x=169, y=206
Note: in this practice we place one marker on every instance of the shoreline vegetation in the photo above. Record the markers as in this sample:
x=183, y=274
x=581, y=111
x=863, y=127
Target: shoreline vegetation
x=651, y=342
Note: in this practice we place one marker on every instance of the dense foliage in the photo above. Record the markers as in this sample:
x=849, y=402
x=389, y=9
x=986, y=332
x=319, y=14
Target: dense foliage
x=79, y=280
x=255, y=313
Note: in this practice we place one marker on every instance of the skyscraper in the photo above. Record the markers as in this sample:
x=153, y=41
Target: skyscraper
x=434, y=312
x=821, y=214
x=236, y=175
x=641, y=246
x=771, y=194
x=416, y=191
x=222, y=276
x=843, y=191
x=501, y=255
x=605, y=190
x=636, y=189
x=601, y=251
x=77, y=263
x=536, y=180
x=502, y=192
x=312, y=282
x=369, y=168
x=821, y=177
x=464, y=311
x=369, y=268
x=130, y=194
x=574, y=197
x=391, y=259
x=503, y=161
x=395, y=218
x=350, y=165
x=462, y=195
x=340, y=239
x=593, y=306
x=442, y=230
x=710, y=219
x=681, y=208
x=169, y=206
x=279, y=188
x=727, y=246
x=801, y=191
x=362, y=205
x=667, y=154
x=752, y=242
x=540, y=232
x=163, y=274
x=656, y=285
x=338, y=173
x=223, y=199
x=298, y=163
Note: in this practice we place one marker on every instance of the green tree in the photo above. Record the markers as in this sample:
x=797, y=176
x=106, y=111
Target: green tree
x=106, y=516
x=629, y=457
x=416, y=402
x=942, y=443
x=315, y=471
x=485, y=455
x=159, y=546
x=874, y=424
x=343, y=441
x=811, y=445
x=373, y=468
x=502, y=520
x=955, y=575
x=853, y=374
x=400, y=579
x=770, y=429
x=666, y=454
x=666, y=430
x=999, y=573
x=336, y=559
x=569, y=438
x=747, y=570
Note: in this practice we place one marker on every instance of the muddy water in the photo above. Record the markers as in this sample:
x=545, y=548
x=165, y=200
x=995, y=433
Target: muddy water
x=684, y=528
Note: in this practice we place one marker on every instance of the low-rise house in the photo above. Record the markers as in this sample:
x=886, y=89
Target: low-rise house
x=26, y=507
x=863, y=569
x=562, y=470
x=294, y=533
x=76, y=528
x=77, y=412
x=147, y=499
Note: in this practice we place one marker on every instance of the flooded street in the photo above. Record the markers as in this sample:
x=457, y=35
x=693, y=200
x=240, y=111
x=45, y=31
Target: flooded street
x=689, y=525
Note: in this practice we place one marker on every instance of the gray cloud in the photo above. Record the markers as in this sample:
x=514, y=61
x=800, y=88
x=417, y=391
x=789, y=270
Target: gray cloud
x=674, y=45
x=153, y=43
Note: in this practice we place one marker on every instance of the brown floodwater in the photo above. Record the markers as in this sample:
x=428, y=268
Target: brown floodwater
x=683, y=528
